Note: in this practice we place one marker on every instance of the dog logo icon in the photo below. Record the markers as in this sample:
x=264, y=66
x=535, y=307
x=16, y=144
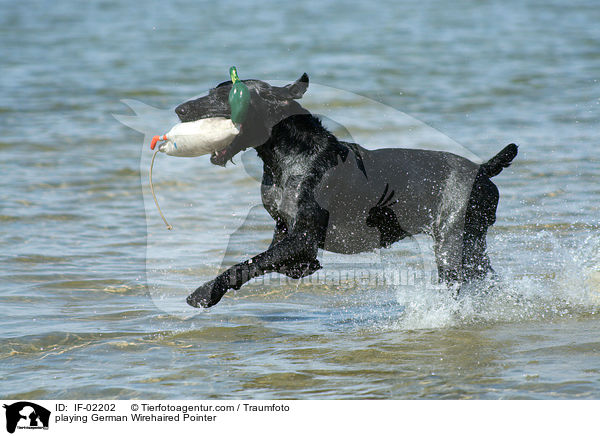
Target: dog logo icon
x=26, y=415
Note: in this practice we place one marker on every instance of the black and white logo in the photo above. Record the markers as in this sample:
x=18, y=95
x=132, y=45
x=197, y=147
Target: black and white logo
x=26, y=415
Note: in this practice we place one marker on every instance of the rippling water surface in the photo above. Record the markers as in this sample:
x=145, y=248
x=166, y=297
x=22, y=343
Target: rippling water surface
x=92, y=287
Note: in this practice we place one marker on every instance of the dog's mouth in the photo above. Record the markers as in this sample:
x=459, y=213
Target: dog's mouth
x=220, y=157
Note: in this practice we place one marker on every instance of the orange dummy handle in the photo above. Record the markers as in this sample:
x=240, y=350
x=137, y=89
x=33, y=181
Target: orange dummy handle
x=155, y=139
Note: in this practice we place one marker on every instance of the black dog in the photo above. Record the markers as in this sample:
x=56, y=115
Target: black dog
x=334, y=195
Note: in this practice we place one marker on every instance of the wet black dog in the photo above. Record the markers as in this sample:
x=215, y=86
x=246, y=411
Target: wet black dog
x=334, y=195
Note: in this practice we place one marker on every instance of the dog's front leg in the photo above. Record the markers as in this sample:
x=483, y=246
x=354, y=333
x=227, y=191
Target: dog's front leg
x=280, y=232
x=295, y=249
x=294, y=269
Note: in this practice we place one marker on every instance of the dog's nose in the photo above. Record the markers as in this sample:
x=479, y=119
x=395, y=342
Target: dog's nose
x=180, y=110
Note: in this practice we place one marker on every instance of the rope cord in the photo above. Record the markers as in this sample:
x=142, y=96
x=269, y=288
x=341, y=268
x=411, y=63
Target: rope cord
x=169, y=226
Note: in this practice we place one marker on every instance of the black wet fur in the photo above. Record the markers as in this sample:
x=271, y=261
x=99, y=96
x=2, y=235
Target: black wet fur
x=306, y=168
x=384, y=219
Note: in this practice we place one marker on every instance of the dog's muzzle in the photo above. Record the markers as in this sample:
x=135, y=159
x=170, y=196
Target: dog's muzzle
x=220, y=157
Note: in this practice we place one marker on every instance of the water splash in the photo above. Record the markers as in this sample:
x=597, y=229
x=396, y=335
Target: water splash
x=566, y=284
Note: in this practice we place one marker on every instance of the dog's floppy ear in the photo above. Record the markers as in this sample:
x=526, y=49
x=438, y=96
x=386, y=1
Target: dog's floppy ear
x=297, y=89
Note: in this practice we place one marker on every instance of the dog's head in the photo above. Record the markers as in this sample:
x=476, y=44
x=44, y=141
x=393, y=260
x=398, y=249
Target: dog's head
x=268, y=106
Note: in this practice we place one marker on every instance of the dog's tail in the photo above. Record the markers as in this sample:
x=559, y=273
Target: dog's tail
x=495, y=165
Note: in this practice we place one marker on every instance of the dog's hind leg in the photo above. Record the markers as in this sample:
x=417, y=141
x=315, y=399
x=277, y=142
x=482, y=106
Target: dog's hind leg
x=476, y=263
x=448, y=230
x=448, y=254
x=481, y=214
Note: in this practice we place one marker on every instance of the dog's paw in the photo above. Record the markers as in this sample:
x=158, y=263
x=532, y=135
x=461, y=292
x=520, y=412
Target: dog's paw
x=208, y=294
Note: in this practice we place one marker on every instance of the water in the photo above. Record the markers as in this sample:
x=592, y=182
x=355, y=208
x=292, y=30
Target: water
x=86, y=316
